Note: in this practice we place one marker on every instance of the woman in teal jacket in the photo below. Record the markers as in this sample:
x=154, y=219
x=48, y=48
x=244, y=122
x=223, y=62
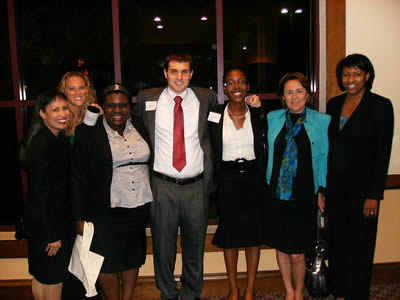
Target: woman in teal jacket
x=296, y=174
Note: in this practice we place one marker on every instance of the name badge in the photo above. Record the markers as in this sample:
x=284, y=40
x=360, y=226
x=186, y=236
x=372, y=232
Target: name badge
x=214, y=117
x=151, y=105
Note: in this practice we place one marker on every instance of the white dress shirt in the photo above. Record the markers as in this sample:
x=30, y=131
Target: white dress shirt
x=130, y=186
x=237, y=143
x=164, y=132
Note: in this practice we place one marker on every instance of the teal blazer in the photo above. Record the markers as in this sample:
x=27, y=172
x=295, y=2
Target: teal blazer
x=316, y=126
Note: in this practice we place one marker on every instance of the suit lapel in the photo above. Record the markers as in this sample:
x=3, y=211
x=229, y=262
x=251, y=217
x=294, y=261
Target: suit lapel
x=219, y=130
x=103, y=145
x=150, y=115
x=203, y=110
x=357, y=113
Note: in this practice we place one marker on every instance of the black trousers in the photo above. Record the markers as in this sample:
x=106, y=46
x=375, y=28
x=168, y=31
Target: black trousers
x=352, y=237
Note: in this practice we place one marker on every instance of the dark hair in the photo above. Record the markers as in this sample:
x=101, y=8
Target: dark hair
x=115, y=88
x=235, y=69
x=179, y=57
x=303, y=81
x=355, y=60
x=42, y=101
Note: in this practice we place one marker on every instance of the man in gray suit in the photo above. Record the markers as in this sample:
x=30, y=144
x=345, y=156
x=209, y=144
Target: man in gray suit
x=176, y=119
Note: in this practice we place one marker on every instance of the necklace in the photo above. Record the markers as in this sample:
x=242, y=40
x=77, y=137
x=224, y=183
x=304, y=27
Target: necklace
x=237, y=117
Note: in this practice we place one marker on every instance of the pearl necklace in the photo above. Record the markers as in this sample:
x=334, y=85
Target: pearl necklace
x=237, y=117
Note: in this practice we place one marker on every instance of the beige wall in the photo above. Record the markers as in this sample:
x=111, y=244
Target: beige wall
x=373, y=29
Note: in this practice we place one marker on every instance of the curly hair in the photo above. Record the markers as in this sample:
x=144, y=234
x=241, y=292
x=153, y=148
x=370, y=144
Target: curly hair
x=91, y=98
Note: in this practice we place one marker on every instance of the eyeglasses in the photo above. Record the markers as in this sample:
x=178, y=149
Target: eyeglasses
x=232, y=83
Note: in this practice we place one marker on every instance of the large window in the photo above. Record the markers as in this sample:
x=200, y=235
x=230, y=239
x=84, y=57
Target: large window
x=127, y=40
x=267, y=39
x=150, y=30
x=6, y=90
x=63, y=35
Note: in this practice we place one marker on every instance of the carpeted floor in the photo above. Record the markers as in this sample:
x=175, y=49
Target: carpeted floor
x=378, y=292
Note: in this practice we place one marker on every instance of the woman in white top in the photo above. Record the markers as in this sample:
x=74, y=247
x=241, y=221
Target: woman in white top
x=110, y=187
x=237, y=135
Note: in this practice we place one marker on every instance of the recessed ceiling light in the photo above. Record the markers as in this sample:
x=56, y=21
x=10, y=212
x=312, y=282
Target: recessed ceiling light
x=284, y=11
x=157, y=19
x=160, y=26
x=204, y=18
x=244, y=47
x=298, y=11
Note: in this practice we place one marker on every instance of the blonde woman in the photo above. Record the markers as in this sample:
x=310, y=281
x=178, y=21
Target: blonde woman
x=80, y=94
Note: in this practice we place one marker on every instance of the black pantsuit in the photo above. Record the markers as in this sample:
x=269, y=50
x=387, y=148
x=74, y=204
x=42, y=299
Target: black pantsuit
x=357, y=169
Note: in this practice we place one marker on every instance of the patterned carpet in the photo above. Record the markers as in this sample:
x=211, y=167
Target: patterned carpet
x=378, y=292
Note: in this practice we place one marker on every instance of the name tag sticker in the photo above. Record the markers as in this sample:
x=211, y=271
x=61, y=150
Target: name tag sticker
x=214, y=117
x=151, y=105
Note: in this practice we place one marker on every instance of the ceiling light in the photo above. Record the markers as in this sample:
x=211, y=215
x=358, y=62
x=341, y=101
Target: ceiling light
x=204, y=18
x=284, y=11
x=298, y=11
x=157, y=19
x=160, y=26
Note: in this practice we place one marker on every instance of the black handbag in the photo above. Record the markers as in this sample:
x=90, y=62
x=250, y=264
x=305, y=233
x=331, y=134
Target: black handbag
x=317, y=271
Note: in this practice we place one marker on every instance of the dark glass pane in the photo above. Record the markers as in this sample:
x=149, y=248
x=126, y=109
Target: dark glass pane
x=265, y=42
x=6, y=92
x=56, y=36
x=10, y=186
x=144, y=46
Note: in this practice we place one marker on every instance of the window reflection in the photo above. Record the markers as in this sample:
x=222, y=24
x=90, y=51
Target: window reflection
x=11, y=187
x=144, y=46
x=265, y=42
x=59, y=36
x=6, y=91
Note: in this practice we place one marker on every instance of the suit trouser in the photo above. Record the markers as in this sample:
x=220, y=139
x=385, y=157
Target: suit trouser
x=185, y=207
x=352, y=239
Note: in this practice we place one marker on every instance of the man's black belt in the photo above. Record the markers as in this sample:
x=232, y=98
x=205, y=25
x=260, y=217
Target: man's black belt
x=180, y=181
x=240, y=164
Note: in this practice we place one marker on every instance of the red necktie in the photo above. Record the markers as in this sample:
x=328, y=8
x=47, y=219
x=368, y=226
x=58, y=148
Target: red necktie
x=178, y=154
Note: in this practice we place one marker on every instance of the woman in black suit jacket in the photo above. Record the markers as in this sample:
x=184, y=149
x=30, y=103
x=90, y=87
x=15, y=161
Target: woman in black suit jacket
x=360, y=139
x=110, y=187
x=47, y=213
x=238, y=140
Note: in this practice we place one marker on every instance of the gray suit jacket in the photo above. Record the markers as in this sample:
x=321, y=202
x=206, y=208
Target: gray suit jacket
x=207, y=99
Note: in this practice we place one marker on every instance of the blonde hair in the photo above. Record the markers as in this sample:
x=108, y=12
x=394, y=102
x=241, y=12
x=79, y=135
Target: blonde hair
x=91, y=98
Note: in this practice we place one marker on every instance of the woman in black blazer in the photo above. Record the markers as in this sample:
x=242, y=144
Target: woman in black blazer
x=44, y=154
x=110, y=188
x=360, y=139
x=238, y=140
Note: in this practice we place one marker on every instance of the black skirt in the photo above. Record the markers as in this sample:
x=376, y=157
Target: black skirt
x=121, y=238
x=290, y=225
x=240, y=200
x=47, y=269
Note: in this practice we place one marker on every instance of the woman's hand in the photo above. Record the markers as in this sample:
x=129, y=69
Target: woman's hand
x=52, y=248
x=79, y=227
x=370, y=208
x=321, y=201
x=253, y=101
x=99, y=107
